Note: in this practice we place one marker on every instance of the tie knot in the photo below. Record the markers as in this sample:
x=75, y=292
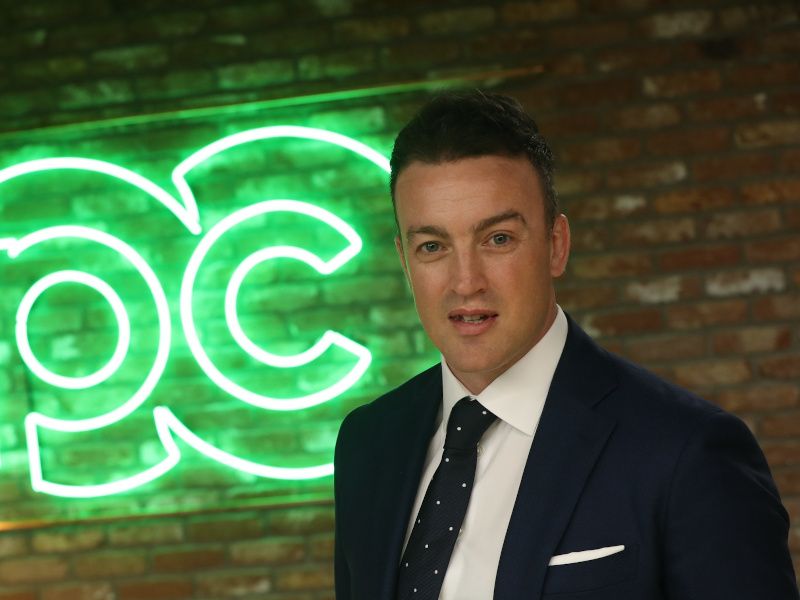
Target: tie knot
x=468, y=421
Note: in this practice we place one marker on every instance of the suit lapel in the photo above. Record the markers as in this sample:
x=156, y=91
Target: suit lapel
x=568, y=441
x=403, y=446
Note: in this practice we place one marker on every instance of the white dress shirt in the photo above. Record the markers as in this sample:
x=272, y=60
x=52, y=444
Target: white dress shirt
x=517, y=398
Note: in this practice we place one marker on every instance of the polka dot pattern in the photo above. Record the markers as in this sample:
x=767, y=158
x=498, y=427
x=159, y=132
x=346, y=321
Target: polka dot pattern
x=441, y=514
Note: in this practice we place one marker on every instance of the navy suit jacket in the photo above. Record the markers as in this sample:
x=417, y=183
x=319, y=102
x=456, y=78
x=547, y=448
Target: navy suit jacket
x=620, y=457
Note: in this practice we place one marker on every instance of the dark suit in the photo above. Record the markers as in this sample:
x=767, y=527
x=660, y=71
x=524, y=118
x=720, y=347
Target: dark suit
x=619, y=457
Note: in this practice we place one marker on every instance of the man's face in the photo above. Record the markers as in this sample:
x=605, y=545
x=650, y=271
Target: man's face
x=476, y=250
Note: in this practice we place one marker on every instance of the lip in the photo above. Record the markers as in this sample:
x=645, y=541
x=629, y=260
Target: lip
x=470, y=329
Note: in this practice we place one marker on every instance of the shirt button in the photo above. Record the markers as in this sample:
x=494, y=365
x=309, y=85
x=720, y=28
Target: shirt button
x=480, y=448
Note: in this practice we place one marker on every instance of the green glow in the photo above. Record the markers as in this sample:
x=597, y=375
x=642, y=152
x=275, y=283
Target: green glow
x=328, y=339
x=186, y=213
x=166, y=423
x=123, y=342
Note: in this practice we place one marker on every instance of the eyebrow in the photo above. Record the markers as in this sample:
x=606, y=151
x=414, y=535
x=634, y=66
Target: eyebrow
x=508, y=215
x=481, y=226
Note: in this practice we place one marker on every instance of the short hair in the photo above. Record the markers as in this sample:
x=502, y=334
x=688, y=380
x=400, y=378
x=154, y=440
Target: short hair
x=456, y=125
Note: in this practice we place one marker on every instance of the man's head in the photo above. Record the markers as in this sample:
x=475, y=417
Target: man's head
x=475, y=236
x=473, y=124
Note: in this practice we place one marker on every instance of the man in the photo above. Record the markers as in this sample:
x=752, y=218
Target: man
x=585, y=477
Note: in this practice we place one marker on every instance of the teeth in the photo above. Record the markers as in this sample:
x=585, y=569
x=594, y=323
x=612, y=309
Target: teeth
x=473, y=318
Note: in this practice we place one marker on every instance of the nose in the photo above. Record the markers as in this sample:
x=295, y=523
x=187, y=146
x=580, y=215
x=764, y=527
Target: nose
x=468, y=273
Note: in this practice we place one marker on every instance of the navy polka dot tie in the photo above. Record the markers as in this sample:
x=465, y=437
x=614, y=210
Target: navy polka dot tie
x=442, y=511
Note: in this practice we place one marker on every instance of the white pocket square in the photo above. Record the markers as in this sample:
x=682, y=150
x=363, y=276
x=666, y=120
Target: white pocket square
x=583, y=556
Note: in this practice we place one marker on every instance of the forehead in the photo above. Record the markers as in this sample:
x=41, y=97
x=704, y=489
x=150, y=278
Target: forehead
x=466, y=190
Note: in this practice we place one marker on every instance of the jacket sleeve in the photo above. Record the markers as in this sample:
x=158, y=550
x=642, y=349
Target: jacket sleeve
x=726, y=531
x=341, y=568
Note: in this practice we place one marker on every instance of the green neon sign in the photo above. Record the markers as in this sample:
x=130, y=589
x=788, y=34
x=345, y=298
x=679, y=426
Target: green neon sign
x=168, y=426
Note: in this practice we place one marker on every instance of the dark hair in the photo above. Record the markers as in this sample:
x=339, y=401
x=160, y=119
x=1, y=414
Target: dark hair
x=456, y=125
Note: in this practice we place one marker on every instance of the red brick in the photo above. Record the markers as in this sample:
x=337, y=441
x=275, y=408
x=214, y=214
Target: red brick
x=788, y=481
x=13, y=544
x=307, y=577
x=677, y=24
x=782, y=453
x=790, y=160
x=657, y=348
x=600, y=151
x=109, y=564
x=79, y=591
x=344, y=63
x=723, y=167
x=785, y=424
x=761, y=397
x=18, y=595
x=700, y=257
x=300, y=521
x=694, y=200
x=781, y=307
x=188, y=559
x=727, y=109
x=763, y=75
x=322, y=547
x=771, y=133
x=712, y=372
x=218, y=530
x=746, y=282
x=155, y=589
x=272, y=551
x=580, y=298
x=504, y=44
x=146, y=534
x=373, y=29
x=587, y=35
x=665, y=231
x=772, y=192
x=560, y=126
x=786, y=102
x=638, y=58
x=234, y=584
x=67, y=541
x=578, y=182
x=781, y=367
x=663, y=289
x=595, y=93
x=245, y=17
x=457, y=20
x=653, y=116
x=538, y=11
x=695, y=141
x=774, y=250
x=743, y=224
x=625, y=322
x=32, y=570
x=650, y=175
x=586, y=239
x=410, y=55
x=601, y=208
x=747, y=340
x=683, y=83
x=610, y=266
x=700, y=314
x=793, y=217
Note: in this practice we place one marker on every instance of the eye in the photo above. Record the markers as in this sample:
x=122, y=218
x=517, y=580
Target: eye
x=430, y=247
x=501, y=239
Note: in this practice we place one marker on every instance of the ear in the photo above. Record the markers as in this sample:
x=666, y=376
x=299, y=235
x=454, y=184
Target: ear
x=559, y=246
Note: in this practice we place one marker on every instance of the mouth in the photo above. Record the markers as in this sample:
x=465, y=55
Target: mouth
x=471, y=318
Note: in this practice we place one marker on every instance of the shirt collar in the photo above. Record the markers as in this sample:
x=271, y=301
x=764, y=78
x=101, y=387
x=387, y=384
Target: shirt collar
x=517, y=396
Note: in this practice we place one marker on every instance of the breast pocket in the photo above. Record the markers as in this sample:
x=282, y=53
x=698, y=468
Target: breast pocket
x=592, y=574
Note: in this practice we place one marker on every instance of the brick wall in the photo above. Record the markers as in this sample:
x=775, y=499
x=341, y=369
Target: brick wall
x=677, y=127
